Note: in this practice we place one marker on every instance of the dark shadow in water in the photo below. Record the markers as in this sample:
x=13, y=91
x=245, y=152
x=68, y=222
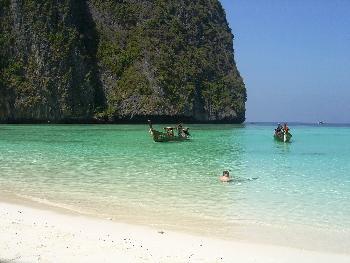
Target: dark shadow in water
x=236, y=179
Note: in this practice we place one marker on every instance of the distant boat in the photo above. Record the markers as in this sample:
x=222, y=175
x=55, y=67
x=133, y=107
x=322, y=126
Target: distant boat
x=170, y=133
x=282, y=134
x=320, y=122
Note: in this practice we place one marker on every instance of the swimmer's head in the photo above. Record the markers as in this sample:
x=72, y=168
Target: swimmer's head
x=225, y=173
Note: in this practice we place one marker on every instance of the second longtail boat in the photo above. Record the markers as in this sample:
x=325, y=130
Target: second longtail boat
x=282, y=133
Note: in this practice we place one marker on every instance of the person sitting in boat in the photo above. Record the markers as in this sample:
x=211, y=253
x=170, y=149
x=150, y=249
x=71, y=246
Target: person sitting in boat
x=182, y=132
x=186, y=132
x=279, y=128
x=169, y=131
x=225, y=177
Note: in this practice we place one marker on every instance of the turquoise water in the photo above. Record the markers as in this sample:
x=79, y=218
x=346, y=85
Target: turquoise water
x=118, y=172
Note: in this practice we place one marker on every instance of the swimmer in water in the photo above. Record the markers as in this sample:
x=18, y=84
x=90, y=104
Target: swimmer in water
x=225, y=177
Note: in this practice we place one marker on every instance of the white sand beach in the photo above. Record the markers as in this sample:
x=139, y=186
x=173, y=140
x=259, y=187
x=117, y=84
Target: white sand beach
x=31, y=234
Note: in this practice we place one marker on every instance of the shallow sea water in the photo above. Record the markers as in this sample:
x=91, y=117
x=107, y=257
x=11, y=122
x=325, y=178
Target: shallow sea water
x=118, y=172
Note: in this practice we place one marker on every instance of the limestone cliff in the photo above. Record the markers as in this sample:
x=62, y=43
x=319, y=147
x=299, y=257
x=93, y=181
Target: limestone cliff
x=117, y=61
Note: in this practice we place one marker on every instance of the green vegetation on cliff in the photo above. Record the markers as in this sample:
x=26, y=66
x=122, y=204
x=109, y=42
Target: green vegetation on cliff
x=118, y=61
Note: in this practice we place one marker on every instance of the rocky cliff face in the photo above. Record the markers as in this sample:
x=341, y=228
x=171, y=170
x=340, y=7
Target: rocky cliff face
x=118, y=61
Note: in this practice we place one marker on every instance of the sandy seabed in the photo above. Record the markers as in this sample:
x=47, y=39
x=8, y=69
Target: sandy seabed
x=31, y=234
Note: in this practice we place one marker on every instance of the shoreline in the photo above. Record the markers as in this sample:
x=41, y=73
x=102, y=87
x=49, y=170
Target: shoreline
x=306, y=237
x=36, y=234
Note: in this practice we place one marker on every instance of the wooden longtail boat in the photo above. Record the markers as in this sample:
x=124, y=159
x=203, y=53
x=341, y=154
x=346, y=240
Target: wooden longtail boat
x=168, y=135
x=282, y=136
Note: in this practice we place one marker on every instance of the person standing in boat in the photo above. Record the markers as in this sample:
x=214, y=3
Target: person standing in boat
x=285, y=128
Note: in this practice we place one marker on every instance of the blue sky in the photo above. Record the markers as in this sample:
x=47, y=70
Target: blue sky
x=294, y=57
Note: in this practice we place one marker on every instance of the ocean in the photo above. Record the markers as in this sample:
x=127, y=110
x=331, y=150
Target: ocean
x=118, y=172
